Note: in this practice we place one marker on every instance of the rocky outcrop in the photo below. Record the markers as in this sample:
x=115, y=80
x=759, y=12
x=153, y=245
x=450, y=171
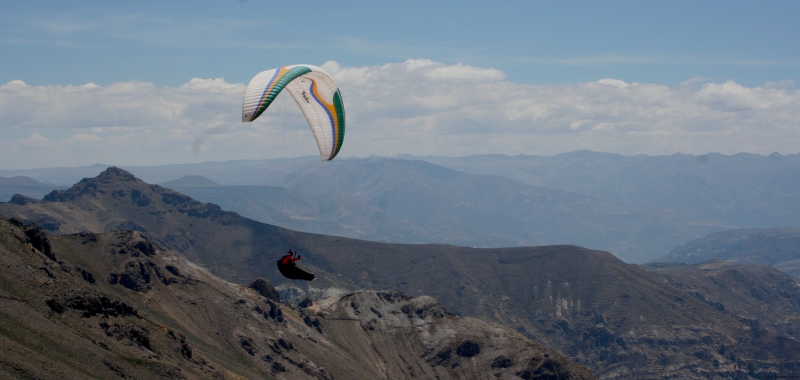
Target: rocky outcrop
x=432, y=343
x=91, y=186
x=135, y=264
x=35, y=236
x=264, y=288
x=21, y=200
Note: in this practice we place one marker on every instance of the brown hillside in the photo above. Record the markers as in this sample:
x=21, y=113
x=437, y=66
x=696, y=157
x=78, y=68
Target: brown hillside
x=752, y=293
x=118, y=305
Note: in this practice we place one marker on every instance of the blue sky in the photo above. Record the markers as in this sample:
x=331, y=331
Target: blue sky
x=566, y=42
x=734, y=59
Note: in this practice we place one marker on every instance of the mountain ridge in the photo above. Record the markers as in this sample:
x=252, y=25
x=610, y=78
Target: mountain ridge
x=464, y=208
x=744, y=190
x=775, y=247
x=21, y=181
x=191, y=181
x=23, y=184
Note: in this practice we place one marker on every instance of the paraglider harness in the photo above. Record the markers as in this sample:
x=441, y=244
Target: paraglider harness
x=288, y=268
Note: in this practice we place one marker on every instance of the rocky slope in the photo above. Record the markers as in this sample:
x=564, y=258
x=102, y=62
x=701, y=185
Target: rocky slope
x=618, y=319
x=118, y=305
x=756, y=294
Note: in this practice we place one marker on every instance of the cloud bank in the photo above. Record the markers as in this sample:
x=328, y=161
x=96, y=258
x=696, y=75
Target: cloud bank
x=417, y=106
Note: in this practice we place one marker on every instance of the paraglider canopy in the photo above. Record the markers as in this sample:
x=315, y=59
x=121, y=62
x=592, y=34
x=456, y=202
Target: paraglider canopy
x=315, y=93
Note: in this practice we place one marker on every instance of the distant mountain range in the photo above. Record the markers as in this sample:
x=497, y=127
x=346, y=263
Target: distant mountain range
x=412, y=201
x=637, y=207
x=22, y=181
x=744, y=190
x=191, y=181
x=24, y=185
x=776, y=247
x=335, y=213
x=618, y=319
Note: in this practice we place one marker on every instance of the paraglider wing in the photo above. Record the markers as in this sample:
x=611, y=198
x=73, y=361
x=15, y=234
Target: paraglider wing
x=315, y=93
x=291, y=271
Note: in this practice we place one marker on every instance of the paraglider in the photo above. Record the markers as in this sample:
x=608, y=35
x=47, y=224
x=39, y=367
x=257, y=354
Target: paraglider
x=319, y=99
x=315, y=93
x=288, y=268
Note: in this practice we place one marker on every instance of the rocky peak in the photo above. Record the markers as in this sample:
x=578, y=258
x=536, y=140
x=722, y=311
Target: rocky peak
x=21, y=200
x=115, y=187
x=105, y=182
x=113, y=174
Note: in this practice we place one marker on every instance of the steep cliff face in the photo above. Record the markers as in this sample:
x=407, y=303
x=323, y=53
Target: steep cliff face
x=118, y=305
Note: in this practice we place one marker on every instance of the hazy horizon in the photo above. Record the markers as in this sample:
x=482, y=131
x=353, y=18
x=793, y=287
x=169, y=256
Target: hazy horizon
x=397, y=156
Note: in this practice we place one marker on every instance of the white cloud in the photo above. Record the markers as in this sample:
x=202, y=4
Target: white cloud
x=35, y=138
x=82, y=138
x=660, y=59
x=613, y=82
x=417, y=106
x=441, y=116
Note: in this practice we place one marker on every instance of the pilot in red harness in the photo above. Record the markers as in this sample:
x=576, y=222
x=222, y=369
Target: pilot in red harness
x=288, y=268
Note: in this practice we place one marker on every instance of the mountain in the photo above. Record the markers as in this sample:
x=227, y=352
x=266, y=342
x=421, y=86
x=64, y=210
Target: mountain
x=118, y=305
x=618, y=319
x=235, y=172
x=412, y=201
x=190, y=181
x=776, y=247
x=21, y=181
x=665, y=201
x=57, y=176
x=744, y=190
x=23, y=185
x=334, y=213
x=493, y=208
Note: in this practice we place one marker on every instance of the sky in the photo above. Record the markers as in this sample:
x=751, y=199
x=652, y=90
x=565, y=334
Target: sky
x=151, y=83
